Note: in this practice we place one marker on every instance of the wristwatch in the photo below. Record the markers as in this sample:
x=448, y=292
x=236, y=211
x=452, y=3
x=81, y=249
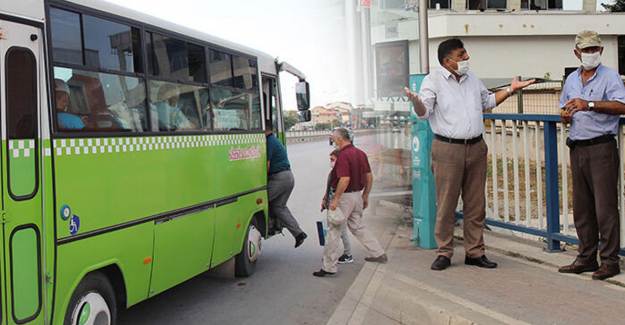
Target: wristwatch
x=591, y=106
x=509, y=91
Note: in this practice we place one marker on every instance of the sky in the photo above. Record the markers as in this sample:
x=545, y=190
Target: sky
x=308, y=34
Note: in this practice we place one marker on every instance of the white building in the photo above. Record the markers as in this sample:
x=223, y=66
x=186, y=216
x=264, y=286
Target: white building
x=507, y=38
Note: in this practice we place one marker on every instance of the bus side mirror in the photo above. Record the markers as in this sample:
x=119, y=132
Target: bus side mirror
x=305, y=116
x=302, y=92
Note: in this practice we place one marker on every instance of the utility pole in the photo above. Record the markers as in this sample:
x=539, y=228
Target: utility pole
x=424, y=42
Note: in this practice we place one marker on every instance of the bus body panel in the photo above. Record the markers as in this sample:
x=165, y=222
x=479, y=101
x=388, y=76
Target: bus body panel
x=127, y=248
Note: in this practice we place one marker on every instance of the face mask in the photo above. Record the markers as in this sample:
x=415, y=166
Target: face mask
x=463, y=67
x=332, y=164
x=591, y=60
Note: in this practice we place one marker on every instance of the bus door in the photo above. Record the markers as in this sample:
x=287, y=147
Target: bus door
x=272, y=106
x=21, y=60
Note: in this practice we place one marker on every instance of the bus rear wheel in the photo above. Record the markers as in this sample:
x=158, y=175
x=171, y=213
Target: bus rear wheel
x=245, y=262
x=93, y=302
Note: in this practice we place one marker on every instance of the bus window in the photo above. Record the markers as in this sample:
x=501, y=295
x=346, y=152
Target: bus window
x=111, y=46
x=66, y=36
x=244, y=71
x=231, y=108
x=21, y=81
x=221, y=69
x=102, y=101
x=175, y=59
x=178, y=107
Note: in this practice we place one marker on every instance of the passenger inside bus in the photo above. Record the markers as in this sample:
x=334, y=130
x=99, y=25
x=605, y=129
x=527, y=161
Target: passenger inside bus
x=65, y=119
x=168, y=110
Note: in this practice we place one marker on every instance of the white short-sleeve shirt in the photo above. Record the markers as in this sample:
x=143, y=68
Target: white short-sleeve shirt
x=454, y=108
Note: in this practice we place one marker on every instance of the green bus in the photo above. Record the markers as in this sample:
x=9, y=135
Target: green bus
x=133, y=157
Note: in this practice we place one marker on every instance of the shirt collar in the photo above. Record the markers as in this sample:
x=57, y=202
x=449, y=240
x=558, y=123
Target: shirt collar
x=448, y=75
x=579, y=73
x=347, y=146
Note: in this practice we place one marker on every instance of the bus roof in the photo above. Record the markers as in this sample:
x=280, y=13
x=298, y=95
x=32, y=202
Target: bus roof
x=266, y=62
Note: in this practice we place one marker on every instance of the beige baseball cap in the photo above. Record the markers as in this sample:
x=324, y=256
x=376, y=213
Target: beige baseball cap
x=60, y=85
x=587, y=38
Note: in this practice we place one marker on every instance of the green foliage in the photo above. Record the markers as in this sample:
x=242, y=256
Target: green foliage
x=323, y=126
x=290, y=118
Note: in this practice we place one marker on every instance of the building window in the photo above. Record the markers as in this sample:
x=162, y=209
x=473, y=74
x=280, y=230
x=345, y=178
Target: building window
x=541, y=4
x=486, y=4
x=440, y=4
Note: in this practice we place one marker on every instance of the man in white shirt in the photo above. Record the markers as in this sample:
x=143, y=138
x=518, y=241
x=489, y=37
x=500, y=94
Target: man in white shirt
x=453, y=99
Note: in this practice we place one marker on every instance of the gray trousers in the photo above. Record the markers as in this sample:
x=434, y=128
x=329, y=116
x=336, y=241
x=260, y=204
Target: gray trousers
x=352, y=207
x=279, y=188
x=347, y=245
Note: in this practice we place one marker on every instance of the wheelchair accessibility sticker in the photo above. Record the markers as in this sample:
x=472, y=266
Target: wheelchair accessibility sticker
x=74, y=225
x=74, y=220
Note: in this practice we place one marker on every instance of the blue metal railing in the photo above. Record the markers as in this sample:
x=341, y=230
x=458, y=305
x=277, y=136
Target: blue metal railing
x=550, y=125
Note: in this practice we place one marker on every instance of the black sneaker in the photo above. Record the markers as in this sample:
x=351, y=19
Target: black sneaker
x=321, y=273
x=346, y=259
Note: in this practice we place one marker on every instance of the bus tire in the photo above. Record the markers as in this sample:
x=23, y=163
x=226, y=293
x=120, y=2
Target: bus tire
x=93, y=302
x=245, y=262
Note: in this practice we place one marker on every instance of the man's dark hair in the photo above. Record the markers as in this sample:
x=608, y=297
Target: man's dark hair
x=446, y=47
x=268, y=125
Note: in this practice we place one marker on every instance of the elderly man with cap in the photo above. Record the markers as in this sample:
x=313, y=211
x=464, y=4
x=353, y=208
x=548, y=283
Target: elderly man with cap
x=65, y=119
x=592, y=99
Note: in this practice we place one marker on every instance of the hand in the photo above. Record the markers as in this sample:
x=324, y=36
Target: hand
x=365, y=201
x=517, y=84
x=411, y=96
x=564, y=116
x=333, y=205
x=575, y=105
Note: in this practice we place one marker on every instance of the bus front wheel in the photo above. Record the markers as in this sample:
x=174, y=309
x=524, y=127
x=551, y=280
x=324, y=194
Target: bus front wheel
x=93, y=302
x=245, y=262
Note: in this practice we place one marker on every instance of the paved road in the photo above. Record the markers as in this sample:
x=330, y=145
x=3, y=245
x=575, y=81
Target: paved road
x=283, y=290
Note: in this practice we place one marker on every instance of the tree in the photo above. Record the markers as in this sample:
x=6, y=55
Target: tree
x=617, y=6
x=290, y=118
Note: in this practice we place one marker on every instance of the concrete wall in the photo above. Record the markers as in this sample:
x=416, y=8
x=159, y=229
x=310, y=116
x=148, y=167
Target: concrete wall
x=503, y=57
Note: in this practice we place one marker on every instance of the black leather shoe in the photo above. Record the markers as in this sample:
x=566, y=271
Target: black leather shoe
x=441, y=263
x=321, y=273
x=606, y=271
x=578, y=267
x=299, y=240
x=480, y=262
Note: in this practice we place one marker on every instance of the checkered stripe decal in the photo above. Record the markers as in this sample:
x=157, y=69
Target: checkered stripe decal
x=21, y=148
x=69, y=147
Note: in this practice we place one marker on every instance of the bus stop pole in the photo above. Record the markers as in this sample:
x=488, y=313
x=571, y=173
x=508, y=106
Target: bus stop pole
x=423, y=191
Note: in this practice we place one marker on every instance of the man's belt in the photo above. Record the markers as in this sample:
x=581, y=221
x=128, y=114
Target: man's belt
x=584, y=143
x=458, y=141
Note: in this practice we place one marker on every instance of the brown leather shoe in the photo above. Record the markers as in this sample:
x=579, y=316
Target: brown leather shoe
x=578, y=267
x=606, y=271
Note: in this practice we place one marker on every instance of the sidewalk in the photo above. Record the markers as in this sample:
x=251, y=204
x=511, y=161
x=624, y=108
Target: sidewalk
x=525, y=289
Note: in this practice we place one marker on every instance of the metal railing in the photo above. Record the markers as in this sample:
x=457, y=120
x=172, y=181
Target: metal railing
x=540, y=98
x=529, y=186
